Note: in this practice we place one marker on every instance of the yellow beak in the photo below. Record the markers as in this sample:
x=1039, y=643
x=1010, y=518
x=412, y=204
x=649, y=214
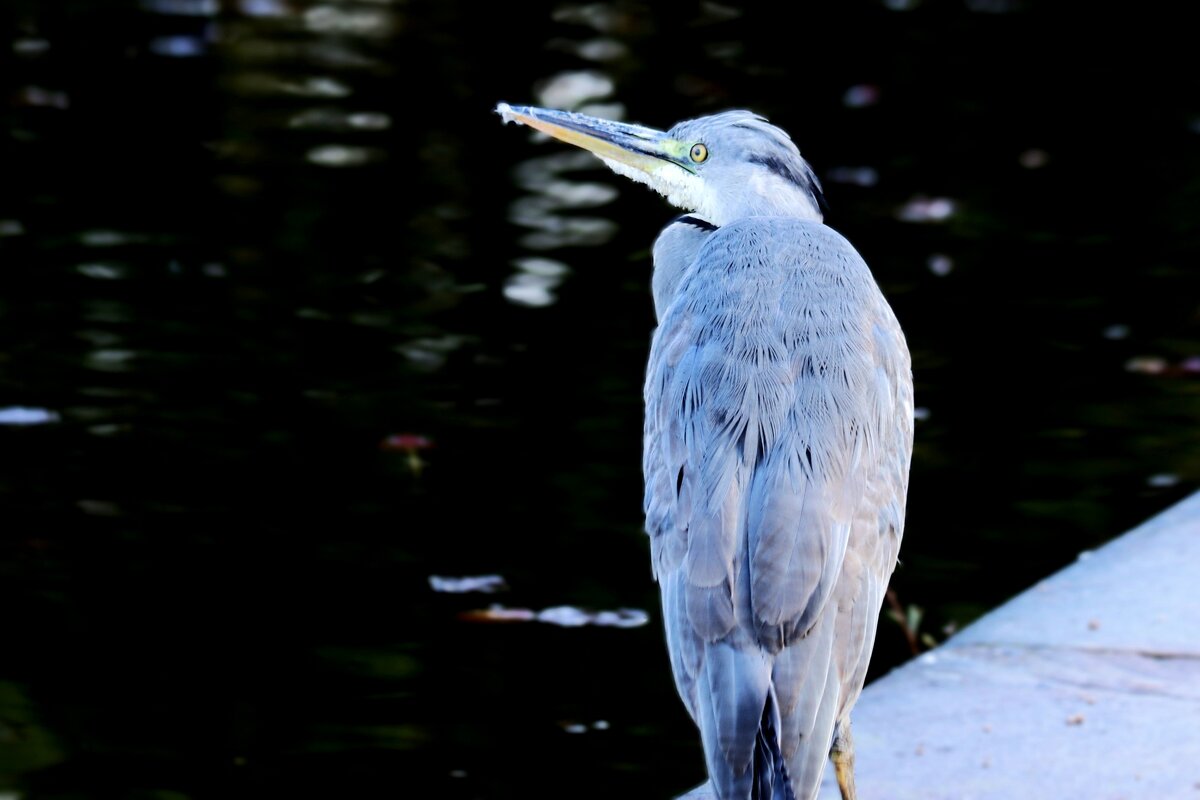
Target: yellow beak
x=645, y=149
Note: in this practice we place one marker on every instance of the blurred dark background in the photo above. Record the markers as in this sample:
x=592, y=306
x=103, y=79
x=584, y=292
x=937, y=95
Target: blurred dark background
x=289, y=325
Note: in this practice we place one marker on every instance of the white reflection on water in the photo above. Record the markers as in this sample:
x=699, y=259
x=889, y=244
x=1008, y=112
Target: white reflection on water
x=109, y=360
x=562, y=616
x=471, y=583
x=542, y=267
x=940, y=264
x=108, y=429
x=572, y=194
x=369, y=120
x=1157, y=365
x=349, y=21
x=43, y=98
x=569, y=89
x=551, y=194
x=854, y=176
x=264, y=8
x=1146, y=365
x=605, y=110
x=178, y=46
x=598, y=49
x=1034, y=158
x=572, y=617
x=558, y=232
x=543, y=175
x=317, y=86
x=430, y=352
x=20, y=415
x=1116, y=331
x=30, y=47
x=108, y=272
x=187, y=8
x=603, y=17
x=109, y=238
x=335, y=119
x=861, y=96
x=1162, y=480
x=529, y=290
x=926, y=209
x=340, y=155
x=534, y=285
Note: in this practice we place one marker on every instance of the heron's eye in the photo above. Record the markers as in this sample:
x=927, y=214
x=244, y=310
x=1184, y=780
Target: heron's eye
x=699, y=153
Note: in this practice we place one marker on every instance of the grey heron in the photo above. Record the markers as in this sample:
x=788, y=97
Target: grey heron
x=778, y=436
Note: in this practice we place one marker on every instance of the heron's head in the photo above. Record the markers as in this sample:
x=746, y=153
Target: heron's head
x=723, y=167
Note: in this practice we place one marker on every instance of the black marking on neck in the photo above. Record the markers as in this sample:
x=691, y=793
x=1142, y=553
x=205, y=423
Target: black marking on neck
x=801, y=179
x=696, y=222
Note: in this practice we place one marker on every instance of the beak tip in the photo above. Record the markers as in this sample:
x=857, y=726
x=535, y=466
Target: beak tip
x=510, y=113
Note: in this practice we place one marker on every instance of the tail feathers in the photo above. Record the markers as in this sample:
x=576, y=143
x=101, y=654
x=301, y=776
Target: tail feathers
x=771, y=781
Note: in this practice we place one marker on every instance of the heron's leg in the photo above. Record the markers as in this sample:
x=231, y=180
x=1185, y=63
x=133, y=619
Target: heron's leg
x=842, y=755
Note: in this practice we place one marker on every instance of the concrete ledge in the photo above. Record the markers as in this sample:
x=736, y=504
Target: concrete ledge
x=1084, y=687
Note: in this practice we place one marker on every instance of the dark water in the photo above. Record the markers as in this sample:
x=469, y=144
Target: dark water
x=243, y=243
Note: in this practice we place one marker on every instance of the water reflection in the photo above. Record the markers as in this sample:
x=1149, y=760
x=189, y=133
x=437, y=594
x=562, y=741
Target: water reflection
x=600, y=49
x=179, y=46
x=569, y=90
x=318, y=86
x=1034, y=158
x=30, y=47
x=581, y=727
x=551, y=194
x=926, y=209
x=264, y=8
x=855, y=176
x=40, y=97
x=106, y=272
x=350, y=21
x=19, y=415
x=562, y=616
x=940, y=264
x=195, y=8
x=340, y=155
x=861, y=96
x=535, y=281
x=240, y=264
x=471, y=583
x=336, y=119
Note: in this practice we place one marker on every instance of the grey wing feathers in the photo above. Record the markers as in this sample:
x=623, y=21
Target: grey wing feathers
x=766, y=443
x=675, y=250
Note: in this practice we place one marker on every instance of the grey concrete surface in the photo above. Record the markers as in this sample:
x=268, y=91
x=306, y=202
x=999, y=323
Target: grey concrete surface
x=1084, y=687
x=1087, y=686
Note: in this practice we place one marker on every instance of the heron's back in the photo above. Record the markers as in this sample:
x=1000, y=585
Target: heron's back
x=778, y=433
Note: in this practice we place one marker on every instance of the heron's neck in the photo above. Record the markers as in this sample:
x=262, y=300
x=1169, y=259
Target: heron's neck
x=762, y=194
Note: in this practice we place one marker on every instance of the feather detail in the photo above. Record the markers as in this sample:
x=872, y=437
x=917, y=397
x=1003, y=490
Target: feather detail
x=778, y=433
